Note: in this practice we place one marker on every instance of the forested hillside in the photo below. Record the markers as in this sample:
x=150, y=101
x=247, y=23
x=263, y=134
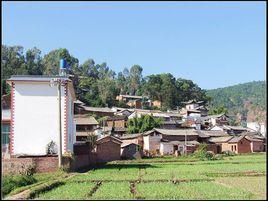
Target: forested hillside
x=98, y=84
x=248, y=99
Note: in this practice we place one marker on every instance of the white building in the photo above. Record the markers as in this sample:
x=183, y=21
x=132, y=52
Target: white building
x=35, y=114
x=258, y=127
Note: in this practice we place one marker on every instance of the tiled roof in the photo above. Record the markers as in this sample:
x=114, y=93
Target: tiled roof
x=181, y=142
x=125, y=144
x=177, y=131
x=130, y=136
x=98, y=109
x=236, y=139
x=210, y=133
x=36, y=78
x=85, y=121
x=117, y=118
x=101, y=140
x=220, y=139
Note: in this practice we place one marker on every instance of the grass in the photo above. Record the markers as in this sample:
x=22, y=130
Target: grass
x=193, y=190
x=113, y=190
x=154, y=180
x=38, y=179
x=70, y=190
x=255, y=185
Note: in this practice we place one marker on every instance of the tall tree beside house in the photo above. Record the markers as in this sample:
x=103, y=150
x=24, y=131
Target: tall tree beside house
x=168, y=90
x=33, y=61
x=135, y=78
x=187, y=90
x=52, y=59
x=12, y=63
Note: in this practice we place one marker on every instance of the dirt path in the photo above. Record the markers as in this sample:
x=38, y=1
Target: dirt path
x=26, y=194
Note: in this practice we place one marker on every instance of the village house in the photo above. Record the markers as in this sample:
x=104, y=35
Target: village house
x=135, y=103
x=131, y=151
x=182, y=147
x=213, y=120
x=192, y=106
x=170, y=138
x=258, y=127
x=99, y=111
x=136, y=138
x=230, y=129
x=108, y=148
x=236, y=144
x=116, y=131
x=35, y=114
x=5, y=123
x=117, y=121
x=85, y=125
x=256, y=145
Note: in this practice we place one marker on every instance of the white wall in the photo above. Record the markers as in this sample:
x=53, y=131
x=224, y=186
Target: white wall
x=166, y=149
x=36, y=117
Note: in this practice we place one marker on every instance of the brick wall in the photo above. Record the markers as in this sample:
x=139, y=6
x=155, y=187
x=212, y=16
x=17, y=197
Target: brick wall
x=108, y=151
x=20, y=165
x=244, y=146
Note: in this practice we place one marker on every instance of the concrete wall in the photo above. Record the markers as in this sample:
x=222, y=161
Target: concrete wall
x=35, y=118
x=166, y=149
x=151, y=143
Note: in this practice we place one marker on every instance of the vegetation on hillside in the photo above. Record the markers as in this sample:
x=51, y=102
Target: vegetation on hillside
x=241, y=98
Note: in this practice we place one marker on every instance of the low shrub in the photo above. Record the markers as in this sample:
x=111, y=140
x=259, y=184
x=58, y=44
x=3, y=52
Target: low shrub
x=228, y=153
x=209, y=155
x=11, y=182
x=218, y=157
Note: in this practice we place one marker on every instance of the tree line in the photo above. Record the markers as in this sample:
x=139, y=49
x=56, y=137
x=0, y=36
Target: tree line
x=97, y=84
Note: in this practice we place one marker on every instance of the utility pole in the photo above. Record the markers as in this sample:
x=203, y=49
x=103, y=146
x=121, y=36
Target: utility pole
x=58, y=82
x=185, y=148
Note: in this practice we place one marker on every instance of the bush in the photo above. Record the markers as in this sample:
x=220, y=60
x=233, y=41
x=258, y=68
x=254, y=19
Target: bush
x=209, y=155
x=228, y=153
x=218, y=157
x=12, y=182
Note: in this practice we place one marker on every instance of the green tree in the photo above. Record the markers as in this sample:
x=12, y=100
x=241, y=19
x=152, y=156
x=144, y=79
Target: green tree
x=34, y=62
x=135, y=78
x=218, y=110
x=142, y=124
x=51, y=61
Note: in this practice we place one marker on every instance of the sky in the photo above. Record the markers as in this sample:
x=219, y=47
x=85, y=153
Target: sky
x=215, y=44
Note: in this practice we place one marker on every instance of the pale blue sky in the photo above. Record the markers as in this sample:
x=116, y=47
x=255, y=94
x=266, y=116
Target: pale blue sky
x=214, y=44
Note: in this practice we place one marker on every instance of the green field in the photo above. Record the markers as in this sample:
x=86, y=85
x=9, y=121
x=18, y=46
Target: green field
x=235, y=177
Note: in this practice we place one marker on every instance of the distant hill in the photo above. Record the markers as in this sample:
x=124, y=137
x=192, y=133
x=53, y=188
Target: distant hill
x=246, y=100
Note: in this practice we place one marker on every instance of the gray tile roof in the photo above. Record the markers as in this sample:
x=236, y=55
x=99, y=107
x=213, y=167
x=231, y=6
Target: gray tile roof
x=177, y=131
x=36, y=78
x=97, y=109
x=130, y=136
x=85, y=121
x=220, y=139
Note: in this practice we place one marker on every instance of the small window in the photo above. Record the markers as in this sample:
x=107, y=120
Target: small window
x=232, y=148
x=235, y=147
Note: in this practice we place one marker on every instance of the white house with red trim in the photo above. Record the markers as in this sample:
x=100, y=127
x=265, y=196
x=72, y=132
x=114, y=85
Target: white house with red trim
x=35, y=114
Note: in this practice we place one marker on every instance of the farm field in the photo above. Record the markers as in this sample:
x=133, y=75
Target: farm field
x=233, y=177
